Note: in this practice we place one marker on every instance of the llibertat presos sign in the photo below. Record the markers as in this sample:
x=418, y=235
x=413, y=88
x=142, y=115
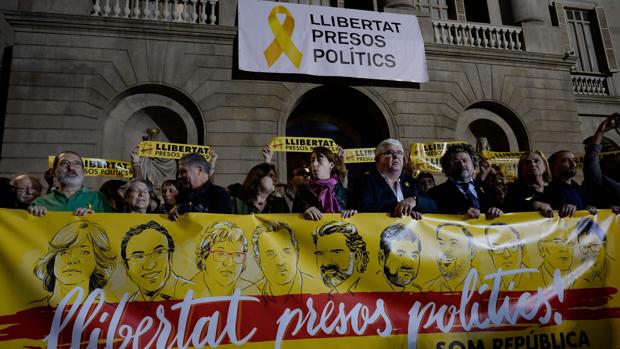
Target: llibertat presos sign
x=276, y=37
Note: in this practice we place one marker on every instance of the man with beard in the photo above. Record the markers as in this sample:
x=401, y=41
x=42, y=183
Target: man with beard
x=455, y=254
x=340, y=255
x=563, y=193
x=387, y=189
x=147, y=251
x=399, y=254
x=276, y=252
x=592, y=242
x=198, y=194
x=460, y=194
x=506, y=250
x=557, y=254
x=70, y=195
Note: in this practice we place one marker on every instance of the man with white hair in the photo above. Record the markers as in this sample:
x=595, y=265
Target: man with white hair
x=388, y=189
x=28, y=188
x=71, y=195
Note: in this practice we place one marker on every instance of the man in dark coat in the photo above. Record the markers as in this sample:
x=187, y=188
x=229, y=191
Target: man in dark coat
x=461, y=194
x=563, y=193
x=388, y=189
x=198, y=194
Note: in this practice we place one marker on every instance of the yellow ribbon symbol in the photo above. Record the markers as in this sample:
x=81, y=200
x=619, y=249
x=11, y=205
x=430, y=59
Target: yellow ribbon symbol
x=282, y=38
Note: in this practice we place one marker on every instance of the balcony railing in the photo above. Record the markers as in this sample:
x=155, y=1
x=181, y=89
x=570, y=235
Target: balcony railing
x=478, y=35
x=590, y=85
x=184, y=11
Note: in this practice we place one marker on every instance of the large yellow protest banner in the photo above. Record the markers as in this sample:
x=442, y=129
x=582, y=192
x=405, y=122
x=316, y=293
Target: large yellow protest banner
x=278, y=281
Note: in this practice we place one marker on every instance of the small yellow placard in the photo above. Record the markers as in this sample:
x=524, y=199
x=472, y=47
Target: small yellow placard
x=432, y=148
x=301, y=144
x=165, y=150
x=359, y=155
x=102, y=167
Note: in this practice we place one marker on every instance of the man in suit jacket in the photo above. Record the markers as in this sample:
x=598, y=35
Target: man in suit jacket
x=460, y=194
x=388, y=189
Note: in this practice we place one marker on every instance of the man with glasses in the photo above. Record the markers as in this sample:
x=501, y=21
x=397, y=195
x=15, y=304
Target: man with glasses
x=388, y=189
x=592, y=243
x=221, y=254
x=460, y=194
x=28, y=188
x=71, y=195
x=506, y=250
x=557, y=253
x=146, y=251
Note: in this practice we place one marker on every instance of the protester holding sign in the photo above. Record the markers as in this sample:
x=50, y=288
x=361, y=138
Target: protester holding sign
x=603, y=179
x=526, y=194
x=563, y=193
x=114, y=191
x=258, y=194
x=138, y=196
x=460, y=194
x=388, y=189
x=198, y=193
x=27, y=188
x=323, y=193
x=71, y=195
x=169, y=192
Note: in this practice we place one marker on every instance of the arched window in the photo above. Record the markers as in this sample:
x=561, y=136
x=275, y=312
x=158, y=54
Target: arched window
x=343, y=114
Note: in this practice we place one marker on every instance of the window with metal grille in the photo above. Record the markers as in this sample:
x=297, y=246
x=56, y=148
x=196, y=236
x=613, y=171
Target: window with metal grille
x=583, y=41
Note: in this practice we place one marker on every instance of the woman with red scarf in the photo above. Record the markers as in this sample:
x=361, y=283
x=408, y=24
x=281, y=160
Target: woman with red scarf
x=323, y=193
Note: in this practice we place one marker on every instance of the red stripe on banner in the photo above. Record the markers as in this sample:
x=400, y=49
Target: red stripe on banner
x=309, y=316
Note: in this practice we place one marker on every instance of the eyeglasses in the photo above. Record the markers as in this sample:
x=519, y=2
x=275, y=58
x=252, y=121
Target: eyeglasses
x=591, y=248
x=220, y=256
x=67, y=163
x=140, y=257
x=392, y=153
x=499, y=250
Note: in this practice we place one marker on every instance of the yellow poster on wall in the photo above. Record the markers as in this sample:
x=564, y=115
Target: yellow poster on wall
x=278, y=281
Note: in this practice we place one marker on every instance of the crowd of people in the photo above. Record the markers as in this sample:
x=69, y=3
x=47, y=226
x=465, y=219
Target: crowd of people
x=473, y=187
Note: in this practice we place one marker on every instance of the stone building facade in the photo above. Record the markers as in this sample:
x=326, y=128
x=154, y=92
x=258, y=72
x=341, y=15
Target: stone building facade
x=92, y=75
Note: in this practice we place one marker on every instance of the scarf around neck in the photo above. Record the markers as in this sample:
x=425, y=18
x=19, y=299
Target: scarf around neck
x=326, y=196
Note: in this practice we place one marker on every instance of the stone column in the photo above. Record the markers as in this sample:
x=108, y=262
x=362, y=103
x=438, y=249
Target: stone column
x=538, y=33
x=495, y=13
x=526, y=11
x=228, y=12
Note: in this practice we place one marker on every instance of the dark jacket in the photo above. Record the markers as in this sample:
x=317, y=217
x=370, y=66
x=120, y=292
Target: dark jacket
x=208, y=198
x=306, y=198
x=275, y=204
x=520, y=196
x=559, y=193
x=375, y=194
x=450, y=200
x=604, y=190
